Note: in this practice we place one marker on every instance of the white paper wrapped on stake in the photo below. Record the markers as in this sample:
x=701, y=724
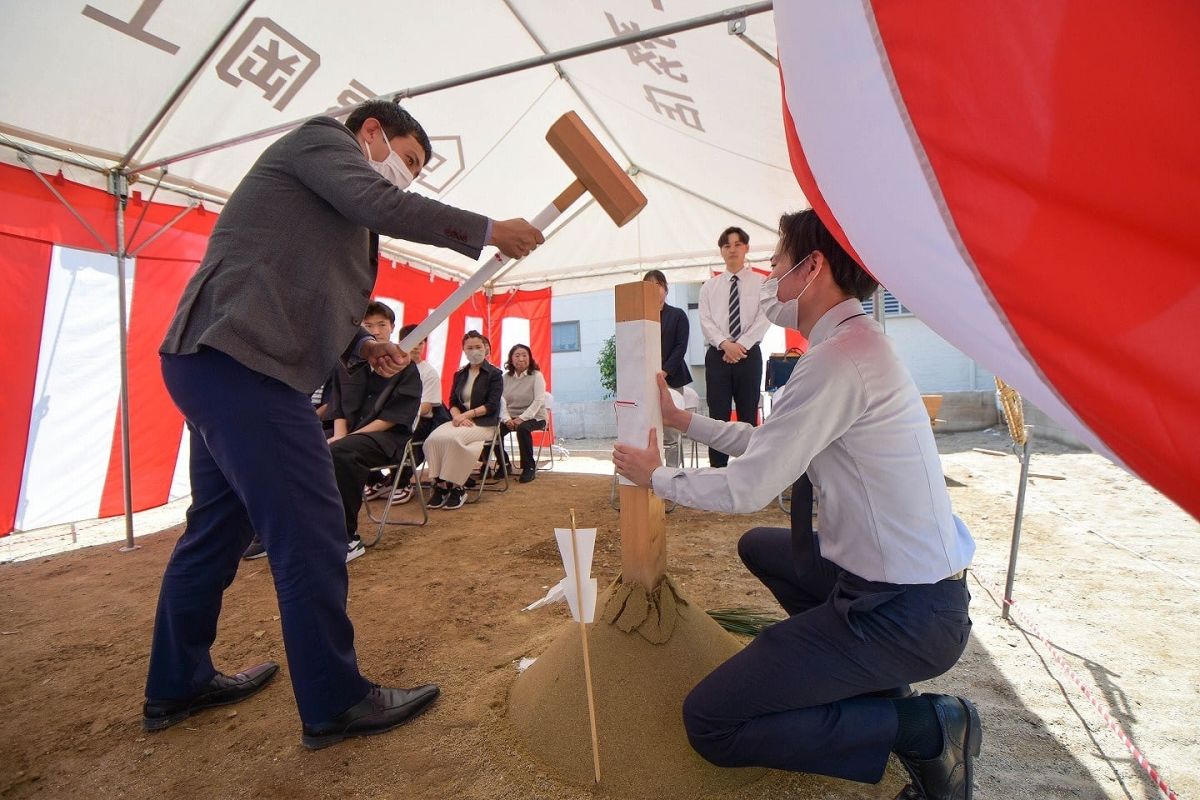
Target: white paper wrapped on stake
x=590, y=590
x=639, y=359
x=585, y=542
x=585, y=545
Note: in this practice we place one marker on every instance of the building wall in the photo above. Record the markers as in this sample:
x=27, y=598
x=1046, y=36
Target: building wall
x=583, y=411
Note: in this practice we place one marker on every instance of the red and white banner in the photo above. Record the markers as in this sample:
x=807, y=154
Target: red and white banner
x=59, y=319
x=1028, y=186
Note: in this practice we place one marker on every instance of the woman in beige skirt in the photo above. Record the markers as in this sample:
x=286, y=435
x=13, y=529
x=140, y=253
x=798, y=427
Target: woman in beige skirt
x=453, y=449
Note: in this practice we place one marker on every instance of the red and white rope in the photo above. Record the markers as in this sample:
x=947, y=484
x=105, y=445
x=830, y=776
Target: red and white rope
x=1113, y=725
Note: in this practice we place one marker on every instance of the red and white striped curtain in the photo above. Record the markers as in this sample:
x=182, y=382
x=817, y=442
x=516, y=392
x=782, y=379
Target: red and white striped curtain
x=61, y=454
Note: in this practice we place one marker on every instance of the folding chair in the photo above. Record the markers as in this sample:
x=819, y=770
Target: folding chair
x=408, y=459
x=491, y=453
x=545, y=437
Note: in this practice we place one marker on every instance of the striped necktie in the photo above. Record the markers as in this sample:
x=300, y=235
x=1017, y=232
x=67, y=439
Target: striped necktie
x=735, y=309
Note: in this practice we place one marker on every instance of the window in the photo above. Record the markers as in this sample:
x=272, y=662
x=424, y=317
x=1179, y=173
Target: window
x=564, y=337
x=891, y=306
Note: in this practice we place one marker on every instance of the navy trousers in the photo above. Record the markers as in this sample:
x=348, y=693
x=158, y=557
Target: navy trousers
x=730, y=386
x=259, y=464
x=791, y=699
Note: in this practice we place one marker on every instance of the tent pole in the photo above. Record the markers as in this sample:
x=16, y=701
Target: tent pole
x=708, y=200
x=119, y=186
x=737, y=27
x=137, y=226
x=24, y=159
x=601, y=45
x=562, y=73
x=514, y=261
x=183, y=213
x=1016, y=536
x=182, y=87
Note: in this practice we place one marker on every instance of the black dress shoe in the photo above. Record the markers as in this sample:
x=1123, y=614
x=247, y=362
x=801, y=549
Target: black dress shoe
x=381, y=710
x=949, y=776
x=222, y=690
x=527, y=475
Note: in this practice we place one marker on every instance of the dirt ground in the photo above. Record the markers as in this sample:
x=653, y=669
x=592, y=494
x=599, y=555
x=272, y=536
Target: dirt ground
x=1109, y=569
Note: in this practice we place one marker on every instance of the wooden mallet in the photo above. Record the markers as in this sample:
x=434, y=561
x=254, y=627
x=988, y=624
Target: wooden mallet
x=596, y=172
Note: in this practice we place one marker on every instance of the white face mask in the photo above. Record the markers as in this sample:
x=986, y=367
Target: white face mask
x=391, y=168
x=475, y=357
x=783, y=313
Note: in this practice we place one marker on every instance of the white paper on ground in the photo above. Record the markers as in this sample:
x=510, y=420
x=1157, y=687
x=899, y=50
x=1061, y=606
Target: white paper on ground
x=639, y=359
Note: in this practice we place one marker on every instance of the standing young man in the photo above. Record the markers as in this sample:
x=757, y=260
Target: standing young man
x=732, y=325
x=277, y=300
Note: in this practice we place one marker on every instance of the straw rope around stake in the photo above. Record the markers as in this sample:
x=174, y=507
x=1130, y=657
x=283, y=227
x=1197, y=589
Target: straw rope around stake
x=1014, y=412
x=1032, y=626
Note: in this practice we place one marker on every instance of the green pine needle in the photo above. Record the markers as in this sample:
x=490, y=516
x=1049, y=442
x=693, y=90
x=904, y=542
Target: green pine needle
x=743, y=620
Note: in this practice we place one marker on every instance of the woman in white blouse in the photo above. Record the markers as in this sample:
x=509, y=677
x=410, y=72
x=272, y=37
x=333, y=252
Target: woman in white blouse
x=452, y=450
x=525, y=397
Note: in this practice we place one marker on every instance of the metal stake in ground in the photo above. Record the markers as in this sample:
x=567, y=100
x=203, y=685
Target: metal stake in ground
x=1014, y=416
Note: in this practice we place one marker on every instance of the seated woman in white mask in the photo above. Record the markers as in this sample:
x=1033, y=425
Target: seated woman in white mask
x=453, y=449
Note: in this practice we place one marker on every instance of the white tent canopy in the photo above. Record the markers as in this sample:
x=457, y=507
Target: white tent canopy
x=695, y=117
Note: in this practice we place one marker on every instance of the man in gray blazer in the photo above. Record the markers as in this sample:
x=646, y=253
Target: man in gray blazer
x=277, y=300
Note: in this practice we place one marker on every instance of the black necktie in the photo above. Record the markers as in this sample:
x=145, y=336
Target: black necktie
x=735, y=309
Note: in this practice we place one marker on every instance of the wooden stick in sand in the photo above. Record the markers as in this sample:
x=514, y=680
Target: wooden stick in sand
x=587, y=664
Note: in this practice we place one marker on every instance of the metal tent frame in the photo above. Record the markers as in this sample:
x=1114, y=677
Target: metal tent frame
x=119, y=176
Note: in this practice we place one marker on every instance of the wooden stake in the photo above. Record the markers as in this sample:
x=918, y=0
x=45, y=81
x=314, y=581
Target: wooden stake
x=587, y=662
x=643, y=519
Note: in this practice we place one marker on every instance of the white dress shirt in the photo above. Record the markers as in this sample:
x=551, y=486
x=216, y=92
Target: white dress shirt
x=714, y=309
x=431, y=388
x=851, y=416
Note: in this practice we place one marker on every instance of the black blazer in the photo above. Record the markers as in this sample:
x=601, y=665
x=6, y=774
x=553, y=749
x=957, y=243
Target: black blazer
x=487, y=391
x=398, y=404
x=675, y=327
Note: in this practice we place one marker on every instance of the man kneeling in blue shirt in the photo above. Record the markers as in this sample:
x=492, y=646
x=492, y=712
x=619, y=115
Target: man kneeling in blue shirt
x=878, y=600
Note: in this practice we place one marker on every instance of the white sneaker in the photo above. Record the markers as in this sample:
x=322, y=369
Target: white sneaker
x=354, y=549
x=403, y=494
x=378, y=490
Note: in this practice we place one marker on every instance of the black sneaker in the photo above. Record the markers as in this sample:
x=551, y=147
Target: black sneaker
x=455, y=499
x=438, y=498
x=255, y=550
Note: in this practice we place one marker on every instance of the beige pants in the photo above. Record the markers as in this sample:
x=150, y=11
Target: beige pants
x=453, y=452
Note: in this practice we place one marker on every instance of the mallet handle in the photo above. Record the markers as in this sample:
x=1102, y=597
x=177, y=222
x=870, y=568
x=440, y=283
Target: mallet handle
x=472, y=284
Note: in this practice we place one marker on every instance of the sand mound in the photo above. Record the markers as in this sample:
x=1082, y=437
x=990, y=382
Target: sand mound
x=647, y=652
